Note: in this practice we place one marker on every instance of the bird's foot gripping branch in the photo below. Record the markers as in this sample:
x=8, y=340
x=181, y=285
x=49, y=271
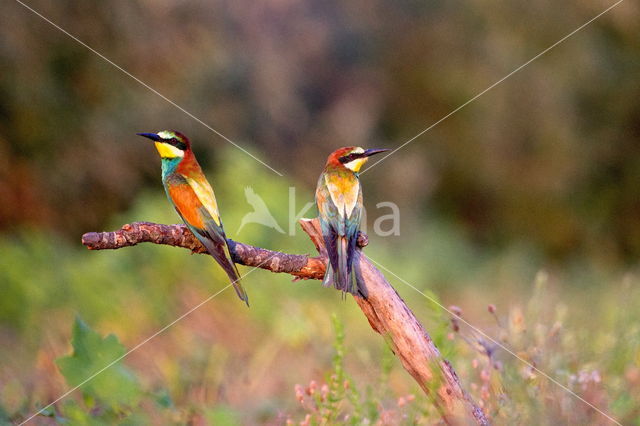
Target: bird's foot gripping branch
x=385, y=310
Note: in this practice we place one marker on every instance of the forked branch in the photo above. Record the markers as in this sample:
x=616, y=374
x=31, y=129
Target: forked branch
x=385, y=310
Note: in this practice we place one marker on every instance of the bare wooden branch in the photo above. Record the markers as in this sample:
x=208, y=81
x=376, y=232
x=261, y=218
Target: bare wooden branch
x=389, y=315
x=384, y=309
x=301, y=266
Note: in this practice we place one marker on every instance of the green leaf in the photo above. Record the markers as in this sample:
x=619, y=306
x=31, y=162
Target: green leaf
x=116, y=387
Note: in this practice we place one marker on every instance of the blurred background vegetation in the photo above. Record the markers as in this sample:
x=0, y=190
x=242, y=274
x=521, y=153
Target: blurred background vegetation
x=541, y=173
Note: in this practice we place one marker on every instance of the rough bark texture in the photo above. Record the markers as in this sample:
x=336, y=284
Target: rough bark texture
x=301, y=266
x=385, y=310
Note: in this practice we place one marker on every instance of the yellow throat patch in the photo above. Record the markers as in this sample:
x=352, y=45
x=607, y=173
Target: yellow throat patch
x=356, y=164
x=168, y=151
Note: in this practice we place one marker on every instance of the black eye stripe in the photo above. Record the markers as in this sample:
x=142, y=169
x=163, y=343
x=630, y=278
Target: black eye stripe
x=351, y=157
x=177, y=143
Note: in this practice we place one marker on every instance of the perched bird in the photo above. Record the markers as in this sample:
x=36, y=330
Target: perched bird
x=192, y=196
x=339, y=200
x=260, y=213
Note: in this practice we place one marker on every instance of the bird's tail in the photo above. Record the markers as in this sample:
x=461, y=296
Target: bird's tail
x=340, y=277
x=237, y=285
x=347, y=276
x=343, y=274
x=222, y=255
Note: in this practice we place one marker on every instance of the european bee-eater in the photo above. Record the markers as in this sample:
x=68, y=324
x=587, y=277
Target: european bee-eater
x=193, y=198
x=339, y=200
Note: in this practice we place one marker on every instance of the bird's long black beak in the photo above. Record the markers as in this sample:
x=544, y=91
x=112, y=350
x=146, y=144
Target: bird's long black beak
x=151, y=136
x=374, y=151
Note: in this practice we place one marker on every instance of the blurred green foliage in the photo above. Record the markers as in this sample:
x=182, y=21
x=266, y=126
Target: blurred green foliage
x=539, y=173
x=548, y=158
